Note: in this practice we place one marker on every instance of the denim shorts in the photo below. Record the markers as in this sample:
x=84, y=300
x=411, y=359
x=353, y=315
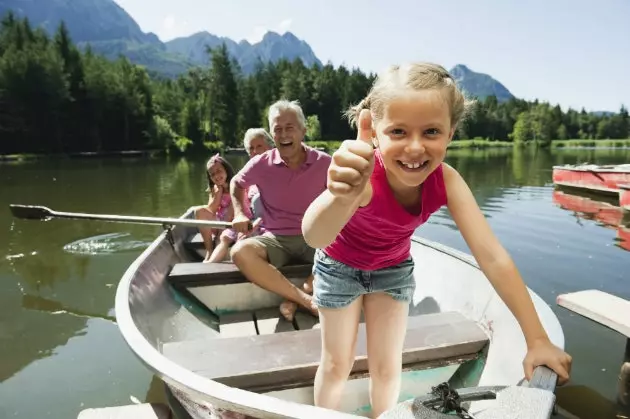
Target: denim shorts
x=336, y=284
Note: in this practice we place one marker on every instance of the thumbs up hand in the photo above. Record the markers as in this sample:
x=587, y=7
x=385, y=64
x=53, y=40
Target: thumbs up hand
x=352, y=164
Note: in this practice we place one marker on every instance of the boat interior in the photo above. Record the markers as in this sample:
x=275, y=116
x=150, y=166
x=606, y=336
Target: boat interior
x=260, y=351
x=210, y=320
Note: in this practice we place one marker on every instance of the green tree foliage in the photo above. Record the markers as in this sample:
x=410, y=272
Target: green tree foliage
x=55, y=98
x=313, y=129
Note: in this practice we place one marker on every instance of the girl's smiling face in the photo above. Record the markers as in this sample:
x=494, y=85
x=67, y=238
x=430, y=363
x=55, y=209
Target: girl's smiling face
x=413, y=135
x=217, y=173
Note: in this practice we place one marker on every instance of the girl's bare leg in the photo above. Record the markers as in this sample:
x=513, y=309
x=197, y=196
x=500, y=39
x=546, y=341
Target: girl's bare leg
x=339, y=336
x=204, y=213
x=221, y=251
x=386, y=325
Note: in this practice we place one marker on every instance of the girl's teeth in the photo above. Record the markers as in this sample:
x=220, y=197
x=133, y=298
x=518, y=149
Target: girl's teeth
x=412, y=165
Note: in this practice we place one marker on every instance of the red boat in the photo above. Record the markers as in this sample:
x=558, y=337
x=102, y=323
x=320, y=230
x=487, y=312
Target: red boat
x=594, y=178
x=624, y=197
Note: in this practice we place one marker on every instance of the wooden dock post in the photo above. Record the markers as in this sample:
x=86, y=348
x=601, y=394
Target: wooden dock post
x=134, y=411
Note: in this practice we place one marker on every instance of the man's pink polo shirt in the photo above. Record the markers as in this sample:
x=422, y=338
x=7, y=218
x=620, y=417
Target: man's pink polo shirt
x=285, y=193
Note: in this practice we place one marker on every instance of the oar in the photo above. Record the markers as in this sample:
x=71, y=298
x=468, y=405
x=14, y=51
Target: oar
x=35, y=212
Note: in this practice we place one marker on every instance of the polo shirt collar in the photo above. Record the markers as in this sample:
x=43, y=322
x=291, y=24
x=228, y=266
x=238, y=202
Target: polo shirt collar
x=311, y=156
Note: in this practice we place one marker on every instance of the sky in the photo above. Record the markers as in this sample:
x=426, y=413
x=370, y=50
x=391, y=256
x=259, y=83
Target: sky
x=575, y=53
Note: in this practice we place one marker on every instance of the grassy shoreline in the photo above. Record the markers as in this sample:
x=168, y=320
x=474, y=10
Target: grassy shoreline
x=328, y=146
x=608, y=143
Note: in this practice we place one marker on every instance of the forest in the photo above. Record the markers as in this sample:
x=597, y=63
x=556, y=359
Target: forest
x=58, y=98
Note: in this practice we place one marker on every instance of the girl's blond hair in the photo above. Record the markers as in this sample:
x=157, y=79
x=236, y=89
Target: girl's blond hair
x=415, y=76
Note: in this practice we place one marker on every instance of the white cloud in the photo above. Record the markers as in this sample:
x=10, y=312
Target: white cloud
x=259, y=31
x=285, y=25
x=172, y=28
x=257, y=34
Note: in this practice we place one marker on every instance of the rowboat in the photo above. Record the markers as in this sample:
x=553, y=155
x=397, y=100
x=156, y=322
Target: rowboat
x=594, y=178
x=223, y=351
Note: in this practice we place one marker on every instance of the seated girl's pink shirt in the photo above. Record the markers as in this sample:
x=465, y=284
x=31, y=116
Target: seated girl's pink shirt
x=379, y=234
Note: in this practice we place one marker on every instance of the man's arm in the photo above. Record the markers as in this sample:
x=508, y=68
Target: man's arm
x=240, y=182
x=238, y=197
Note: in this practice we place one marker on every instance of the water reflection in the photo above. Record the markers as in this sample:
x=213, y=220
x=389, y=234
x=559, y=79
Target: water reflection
x=604, y=212
x=58, y=278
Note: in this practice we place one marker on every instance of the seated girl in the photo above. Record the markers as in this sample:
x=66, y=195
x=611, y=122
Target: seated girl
x=216, y=241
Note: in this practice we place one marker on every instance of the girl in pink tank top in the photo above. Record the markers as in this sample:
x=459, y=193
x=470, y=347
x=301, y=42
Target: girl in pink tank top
x=381, y=187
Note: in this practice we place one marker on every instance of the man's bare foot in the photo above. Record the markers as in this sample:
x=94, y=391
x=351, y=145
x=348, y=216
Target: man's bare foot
x=287, y=309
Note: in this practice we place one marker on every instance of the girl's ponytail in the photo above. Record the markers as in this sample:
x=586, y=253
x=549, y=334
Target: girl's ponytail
x=353, y=112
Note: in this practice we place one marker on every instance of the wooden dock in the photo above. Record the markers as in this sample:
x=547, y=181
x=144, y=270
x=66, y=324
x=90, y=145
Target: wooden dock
x=134, y=411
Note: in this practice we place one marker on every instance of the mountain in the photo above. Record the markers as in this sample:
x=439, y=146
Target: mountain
x=87, y=20
x=479, y=84
x=271, y=48
x=104, y=25
x=111, y=31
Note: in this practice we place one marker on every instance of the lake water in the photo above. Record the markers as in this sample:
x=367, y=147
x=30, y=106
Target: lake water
x=60, y=349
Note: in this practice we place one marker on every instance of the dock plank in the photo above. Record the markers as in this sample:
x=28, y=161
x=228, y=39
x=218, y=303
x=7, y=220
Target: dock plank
x=134, y=411
x=601, y=307
x=270, y=321
x=237, y=324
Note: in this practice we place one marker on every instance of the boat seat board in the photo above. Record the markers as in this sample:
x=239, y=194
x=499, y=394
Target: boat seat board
x=270, y=321
x=237, y=324
x=195, y=242
x=601, y=307
x=287, y=360
x=198, y=274
x=251, y=323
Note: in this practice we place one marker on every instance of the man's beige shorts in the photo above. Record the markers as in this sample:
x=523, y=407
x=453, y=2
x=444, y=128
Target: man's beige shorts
x=281, y=250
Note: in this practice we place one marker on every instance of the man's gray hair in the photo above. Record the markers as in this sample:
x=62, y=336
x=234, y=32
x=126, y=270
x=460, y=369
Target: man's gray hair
x=285, y=105
x=252, y=133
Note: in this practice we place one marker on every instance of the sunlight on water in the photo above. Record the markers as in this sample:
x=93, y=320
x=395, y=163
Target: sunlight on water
x=105, y=244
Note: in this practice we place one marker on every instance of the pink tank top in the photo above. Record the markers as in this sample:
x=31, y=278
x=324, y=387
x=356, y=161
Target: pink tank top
x=379, y=234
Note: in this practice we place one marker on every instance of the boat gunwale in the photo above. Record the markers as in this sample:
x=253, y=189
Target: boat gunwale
x=223, y=396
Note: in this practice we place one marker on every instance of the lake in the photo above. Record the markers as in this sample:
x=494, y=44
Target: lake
x=60, y=348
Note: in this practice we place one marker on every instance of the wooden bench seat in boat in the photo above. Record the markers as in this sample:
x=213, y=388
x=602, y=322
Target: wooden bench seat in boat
x=285, y=360
x=195, y=242
x=196, y=274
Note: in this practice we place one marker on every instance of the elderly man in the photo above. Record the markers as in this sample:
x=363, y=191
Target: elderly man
x=289, y=178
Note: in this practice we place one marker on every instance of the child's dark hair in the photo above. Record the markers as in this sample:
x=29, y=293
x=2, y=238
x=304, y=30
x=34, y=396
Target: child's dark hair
x=229, y=170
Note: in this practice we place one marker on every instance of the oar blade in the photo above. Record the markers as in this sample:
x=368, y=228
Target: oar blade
x=30, y=212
